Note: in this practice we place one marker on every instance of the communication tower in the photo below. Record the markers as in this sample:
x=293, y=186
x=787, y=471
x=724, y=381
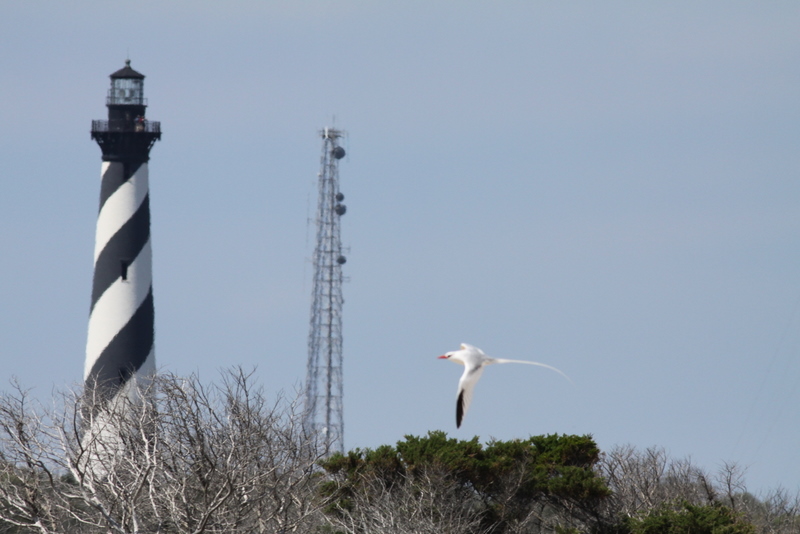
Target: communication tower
x=323, y=390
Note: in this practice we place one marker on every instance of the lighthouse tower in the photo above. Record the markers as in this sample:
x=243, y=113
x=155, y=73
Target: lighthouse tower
x=119, y=347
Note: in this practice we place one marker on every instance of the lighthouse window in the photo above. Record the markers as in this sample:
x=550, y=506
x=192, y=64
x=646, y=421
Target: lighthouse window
x=124, y=269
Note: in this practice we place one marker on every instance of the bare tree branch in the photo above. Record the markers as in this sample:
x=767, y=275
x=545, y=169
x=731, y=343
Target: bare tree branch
x=177, y=456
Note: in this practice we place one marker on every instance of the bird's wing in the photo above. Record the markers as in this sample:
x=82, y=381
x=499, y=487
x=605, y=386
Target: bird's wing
x=466, y=386
x=502, y=360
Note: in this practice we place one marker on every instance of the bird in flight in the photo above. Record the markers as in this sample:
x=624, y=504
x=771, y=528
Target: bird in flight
x=474, y=360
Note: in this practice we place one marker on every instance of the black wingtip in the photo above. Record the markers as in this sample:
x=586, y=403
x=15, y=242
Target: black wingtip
x=459, y=409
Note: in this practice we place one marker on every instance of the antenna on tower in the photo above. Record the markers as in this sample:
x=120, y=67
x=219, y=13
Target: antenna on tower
x=323, y=390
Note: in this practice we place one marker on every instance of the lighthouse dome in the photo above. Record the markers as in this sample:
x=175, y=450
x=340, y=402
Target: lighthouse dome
x=127, y=72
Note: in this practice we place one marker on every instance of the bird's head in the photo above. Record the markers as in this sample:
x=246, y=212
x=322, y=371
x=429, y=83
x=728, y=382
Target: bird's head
x=453, y=355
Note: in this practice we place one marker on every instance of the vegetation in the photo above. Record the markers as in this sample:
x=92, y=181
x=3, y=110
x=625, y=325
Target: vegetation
x=513, y=486
x=191, y=459
x=198, y=459
x=690, y=519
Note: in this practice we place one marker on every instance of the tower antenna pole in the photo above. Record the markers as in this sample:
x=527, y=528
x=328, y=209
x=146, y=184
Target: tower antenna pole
x=324, y=390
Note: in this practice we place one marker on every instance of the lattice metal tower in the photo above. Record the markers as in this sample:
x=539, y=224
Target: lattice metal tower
x=323, y=390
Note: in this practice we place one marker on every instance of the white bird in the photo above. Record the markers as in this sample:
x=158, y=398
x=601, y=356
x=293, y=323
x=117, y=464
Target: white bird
x=474, y=360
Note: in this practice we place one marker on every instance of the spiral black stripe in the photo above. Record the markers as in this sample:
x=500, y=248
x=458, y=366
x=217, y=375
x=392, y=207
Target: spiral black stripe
x=128, y=351
x=125, y=246
x=117, y=173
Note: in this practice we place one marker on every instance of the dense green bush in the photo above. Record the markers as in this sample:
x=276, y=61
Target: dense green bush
x=691, y=519
x=540, y=481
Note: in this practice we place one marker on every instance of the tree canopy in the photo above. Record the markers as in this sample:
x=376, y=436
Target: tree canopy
x=541, y=480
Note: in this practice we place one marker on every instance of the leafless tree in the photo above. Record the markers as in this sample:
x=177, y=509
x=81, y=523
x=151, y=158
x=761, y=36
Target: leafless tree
x=644, y=481
x=425, y=501
x=183, y=458
x=29, y=464
x=780, y=512
x=730, y=481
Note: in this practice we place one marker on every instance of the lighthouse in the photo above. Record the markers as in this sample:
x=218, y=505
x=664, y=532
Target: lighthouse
x=120, y=344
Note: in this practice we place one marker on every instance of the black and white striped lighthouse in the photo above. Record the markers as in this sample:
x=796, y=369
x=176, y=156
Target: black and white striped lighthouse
x=120, y=347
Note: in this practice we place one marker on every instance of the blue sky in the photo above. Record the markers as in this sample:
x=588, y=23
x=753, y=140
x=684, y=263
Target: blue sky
x=610, y=188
